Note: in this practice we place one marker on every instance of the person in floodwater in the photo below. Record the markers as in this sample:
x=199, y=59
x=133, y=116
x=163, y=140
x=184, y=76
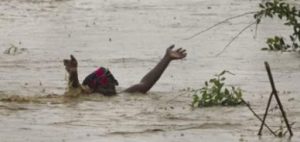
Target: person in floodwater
x=102, y=81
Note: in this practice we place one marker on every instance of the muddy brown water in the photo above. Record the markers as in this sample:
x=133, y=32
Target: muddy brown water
x=130, y=37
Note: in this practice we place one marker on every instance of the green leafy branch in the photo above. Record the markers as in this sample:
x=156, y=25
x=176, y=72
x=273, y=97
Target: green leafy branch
x=215, y=93
x=283, y=11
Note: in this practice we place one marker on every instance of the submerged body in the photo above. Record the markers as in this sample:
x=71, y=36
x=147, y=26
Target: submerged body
x=102, y=81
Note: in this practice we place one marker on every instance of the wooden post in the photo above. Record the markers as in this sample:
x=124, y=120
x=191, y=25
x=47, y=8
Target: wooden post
x=274, y=92
x=265, y=116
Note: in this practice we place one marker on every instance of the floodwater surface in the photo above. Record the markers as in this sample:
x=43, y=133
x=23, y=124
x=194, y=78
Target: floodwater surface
x=130, y=37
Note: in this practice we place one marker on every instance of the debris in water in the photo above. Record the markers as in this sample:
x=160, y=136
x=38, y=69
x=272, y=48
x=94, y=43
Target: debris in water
x=14, y=50
x=291, y=99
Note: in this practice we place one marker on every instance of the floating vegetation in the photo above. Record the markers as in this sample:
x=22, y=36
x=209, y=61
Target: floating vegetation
x=216, y=93
x=276, y=44
x=14, y=50
x=284, y=11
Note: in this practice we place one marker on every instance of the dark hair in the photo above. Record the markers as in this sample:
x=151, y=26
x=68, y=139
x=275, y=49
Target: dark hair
x=102, y=81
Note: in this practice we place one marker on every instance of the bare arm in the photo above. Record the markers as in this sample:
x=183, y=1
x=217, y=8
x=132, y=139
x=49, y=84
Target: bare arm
x=151, y=77
x=71, y=68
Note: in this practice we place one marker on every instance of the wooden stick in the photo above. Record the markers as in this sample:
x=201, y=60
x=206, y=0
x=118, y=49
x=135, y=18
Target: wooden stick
x=255, y=114
x=266, y=113
x=277, y=98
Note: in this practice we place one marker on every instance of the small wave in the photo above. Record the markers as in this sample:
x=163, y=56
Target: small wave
x=30, y=99
x=136, y=132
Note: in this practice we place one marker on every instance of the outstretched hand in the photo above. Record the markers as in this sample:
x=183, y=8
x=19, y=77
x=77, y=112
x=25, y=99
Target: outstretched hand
x=71, y=64
x=175, y=54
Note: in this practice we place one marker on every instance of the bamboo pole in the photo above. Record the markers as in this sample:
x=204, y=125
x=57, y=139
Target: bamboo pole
x=265, y=115
x=277, y=98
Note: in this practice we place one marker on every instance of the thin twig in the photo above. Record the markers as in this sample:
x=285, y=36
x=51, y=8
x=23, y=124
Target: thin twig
x=219, y=23
x=256, y=115
x=255, y=33
x=291, y=127
x=235, y=37
x=168, y=101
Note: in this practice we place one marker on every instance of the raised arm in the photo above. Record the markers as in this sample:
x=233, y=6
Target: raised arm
x=71, y=68
x=151, y=77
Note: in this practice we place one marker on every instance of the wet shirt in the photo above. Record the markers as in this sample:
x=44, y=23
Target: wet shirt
x=101, y=78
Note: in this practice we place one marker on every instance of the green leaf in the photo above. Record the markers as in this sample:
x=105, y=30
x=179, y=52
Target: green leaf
x=222, y=73
x=268, y=4
x=212, y=80
x=261, y=5
x=258, y=21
